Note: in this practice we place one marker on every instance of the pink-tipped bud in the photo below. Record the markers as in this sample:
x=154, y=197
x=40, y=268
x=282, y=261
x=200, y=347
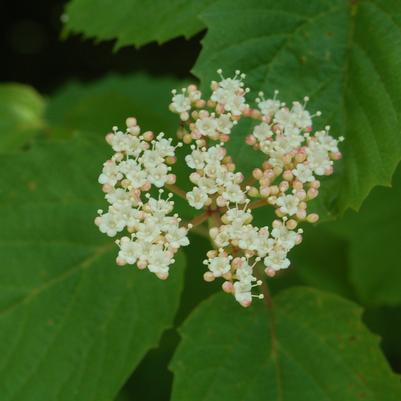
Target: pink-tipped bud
x=283, y=186
x=250, y=140
x=246, y=303
x=171, y=179
x=106, y=188
x=264, y=192
x=109, y=137
x=145, y=187
x=121, y=262
x=184, y=116
x=291, y=224
x=257, y=173
x=287, y=175
x=209, y=277
x=274, y=190
x=162, y=275
x=187, y=139
x=315, y=184
x=312, y=193
x=312, y=218
x=224, y=137
x=141, y=264
x=131, y=122
x=148, y=136
x=298, y=185
x=228, y=287
x=336, y=156
x=270, y=272
x=211, y=254
x=301, y=214
x=200, y=103
x=253, y=192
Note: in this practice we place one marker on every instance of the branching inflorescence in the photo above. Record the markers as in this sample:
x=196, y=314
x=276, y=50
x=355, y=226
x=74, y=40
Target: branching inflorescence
x=286, y=181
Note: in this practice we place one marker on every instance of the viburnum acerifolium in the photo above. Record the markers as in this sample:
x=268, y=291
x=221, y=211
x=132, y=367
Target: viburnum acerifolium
x=286, y=180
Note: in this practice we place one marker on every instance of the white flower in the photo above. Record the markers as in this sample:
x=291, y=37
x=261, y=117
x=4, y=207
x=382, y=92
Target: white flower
x=197, y=198
x=207, y=185
x=164, y=148
x=151, y=158
x=262, y=132
x=196, y=160
x=110, y=173
x=225, y=124
x=302, y=118
x=269, y=107
x=207, y=126
x=128, y=251
x=158, y=175
x=119, y=197
x=288, y=204
x=110, y=223
x=159, y=260
x=304, y=173
x=177, y=236
x=328, y=142
x=277, y=260
x=242, y=292
x=233, y=193
x=180, y=103
x=219, y=265
x=318, y=158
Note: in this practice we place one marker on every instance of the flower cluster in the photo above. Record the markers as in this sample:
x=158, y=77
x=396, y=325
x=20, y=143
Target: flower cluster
x=140, y=162
x=214, y=179
x=287, y=180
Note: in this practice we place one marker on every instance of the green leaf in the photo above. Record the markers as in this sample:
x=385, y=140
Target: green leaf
x=21, y=115
x=374, y=251
x=135, y=22
x=310, y=346
x=343, y=54
x=321, y=261
x=73, y=325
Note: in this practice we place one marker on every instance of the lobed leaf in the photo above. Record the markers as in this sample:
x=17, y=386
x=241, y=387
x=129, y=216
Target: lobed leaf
x=73, y=325
x=135, y=22
x=343, y=54
x=309, y=346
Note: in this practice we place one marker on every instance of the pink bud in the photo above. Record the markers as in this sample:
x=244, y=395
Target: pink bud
x=228, y=287
x=131, y=122
x=270, y=272
x=109, y=137
x=209, y=277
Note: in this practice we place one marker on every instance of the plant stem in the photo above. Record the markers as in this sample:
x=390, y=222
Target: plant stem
x=176, y=190
x=257, y=204
x=197, y=220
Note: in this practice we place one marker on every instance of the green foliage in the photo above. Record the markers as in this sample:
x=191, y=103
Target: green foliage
x=135, y=22
x=21, y=115
x=374, y=251
x=342, y=54
x=72, y=324
x=308, y=346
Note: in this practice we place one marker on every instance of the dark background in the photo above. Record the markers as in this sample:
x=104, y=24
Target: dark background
x=34, y=51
